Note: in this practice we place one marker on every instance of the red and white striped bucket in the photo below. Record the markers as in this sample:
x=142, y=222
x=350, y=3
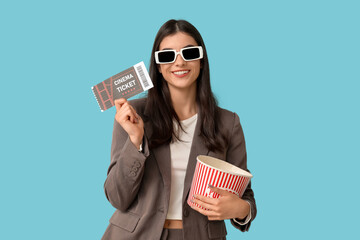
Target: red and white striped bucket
x=220, y=174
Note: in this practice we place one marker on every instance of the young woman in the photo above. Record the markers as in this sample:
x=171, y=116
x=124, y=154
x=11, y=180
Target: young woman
x=155, y=144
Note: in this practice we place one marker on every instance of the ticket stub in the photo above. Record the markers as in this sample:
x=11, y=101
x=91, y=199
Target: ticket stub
x=125, y=84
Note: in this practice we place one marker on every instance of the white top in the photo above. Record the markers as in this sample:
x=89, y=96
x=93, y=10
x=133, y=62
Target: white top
x=179, y=152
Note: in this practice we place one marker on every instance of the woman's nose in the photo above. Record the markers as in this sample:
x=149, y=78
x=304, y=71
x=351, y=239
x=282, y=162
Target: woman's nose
x=179, y=61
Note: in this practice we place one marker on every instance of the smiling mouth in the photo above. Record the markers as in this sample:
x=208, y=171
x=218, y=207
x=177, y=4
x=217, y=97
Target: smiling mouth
x=181, y=73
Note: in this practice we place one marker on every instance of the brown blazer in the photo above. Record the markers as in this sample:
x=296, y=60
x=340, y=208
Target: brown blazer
x=138, y=184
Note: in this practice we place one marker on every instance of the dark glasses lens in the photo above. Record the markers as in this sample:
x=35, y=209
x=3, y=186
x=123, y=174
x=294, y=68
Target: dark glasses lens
x=191, y=53
x=166, y=56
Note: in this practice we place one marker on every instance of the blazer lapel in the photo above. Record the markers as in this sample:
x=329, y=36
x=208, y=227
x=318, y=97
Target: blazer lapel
x=162, y=156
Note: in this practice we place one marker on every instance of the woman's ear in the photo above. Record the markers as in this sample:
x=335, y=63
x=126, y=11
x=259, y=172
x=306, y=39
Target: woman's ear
x=158, y=67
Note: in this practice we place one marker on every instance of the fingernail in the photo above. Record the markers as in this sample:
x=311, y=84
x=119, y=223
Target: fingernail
x=210, y=186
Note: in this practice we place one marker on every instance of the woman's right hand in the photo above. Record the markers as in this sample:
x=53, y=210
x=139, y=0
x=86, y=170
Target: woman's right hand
x=130, y=121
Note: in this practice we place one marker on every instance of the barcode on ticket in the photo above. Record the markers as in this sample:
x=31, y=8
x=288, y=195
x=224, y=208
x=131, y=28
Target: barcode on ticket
x=143, y=76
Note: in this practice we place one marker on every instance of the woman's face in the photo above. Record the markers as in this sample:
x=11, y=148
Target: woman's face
x=180, y=75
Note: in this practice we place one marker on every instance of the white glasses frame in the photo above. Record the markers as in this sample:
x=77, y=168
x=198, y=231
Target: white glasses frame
x=177, y=53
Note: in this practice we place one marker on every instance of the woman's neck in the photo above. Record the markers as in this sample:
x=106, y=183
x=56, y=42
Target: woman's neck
x=184, y=102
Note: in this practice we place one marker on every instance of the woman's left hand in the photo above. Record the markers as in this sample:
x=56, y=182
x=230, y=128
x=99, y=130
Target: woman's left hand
x=227, y=206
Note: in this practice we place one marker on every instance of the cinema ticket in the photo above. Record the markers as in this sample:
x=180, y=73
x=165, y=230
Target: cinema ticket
x=125, y=84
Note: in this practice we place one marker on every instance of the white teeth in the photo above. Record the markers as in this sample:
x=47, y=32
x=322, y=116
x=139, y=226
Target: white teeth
x=181, y=72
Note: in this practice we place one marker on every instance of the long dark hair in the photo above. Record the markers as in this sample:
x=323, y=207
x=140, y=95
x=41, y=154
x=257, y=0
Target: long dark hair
x=161, y=111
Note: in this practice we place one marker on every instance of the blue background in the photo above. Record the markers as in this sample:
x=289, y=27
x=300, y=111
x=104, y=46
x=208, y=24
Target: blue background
x=290, y=69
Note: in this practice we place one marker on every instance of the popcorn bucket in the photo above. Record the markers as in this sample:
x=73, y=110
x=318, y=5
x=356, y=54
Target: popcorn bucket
x=220, y=174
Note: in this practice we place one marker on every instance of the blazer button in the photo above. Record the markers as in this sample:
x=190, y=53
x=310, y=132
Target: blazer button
x=137, y=164
x=186, y=212
x=135, y=169
x=132, y=174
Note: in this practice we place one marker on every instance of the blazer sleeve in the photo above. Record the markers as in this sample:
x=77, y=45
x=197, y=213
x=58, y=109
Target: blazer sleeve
x=236, y=154
x=126, y=169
